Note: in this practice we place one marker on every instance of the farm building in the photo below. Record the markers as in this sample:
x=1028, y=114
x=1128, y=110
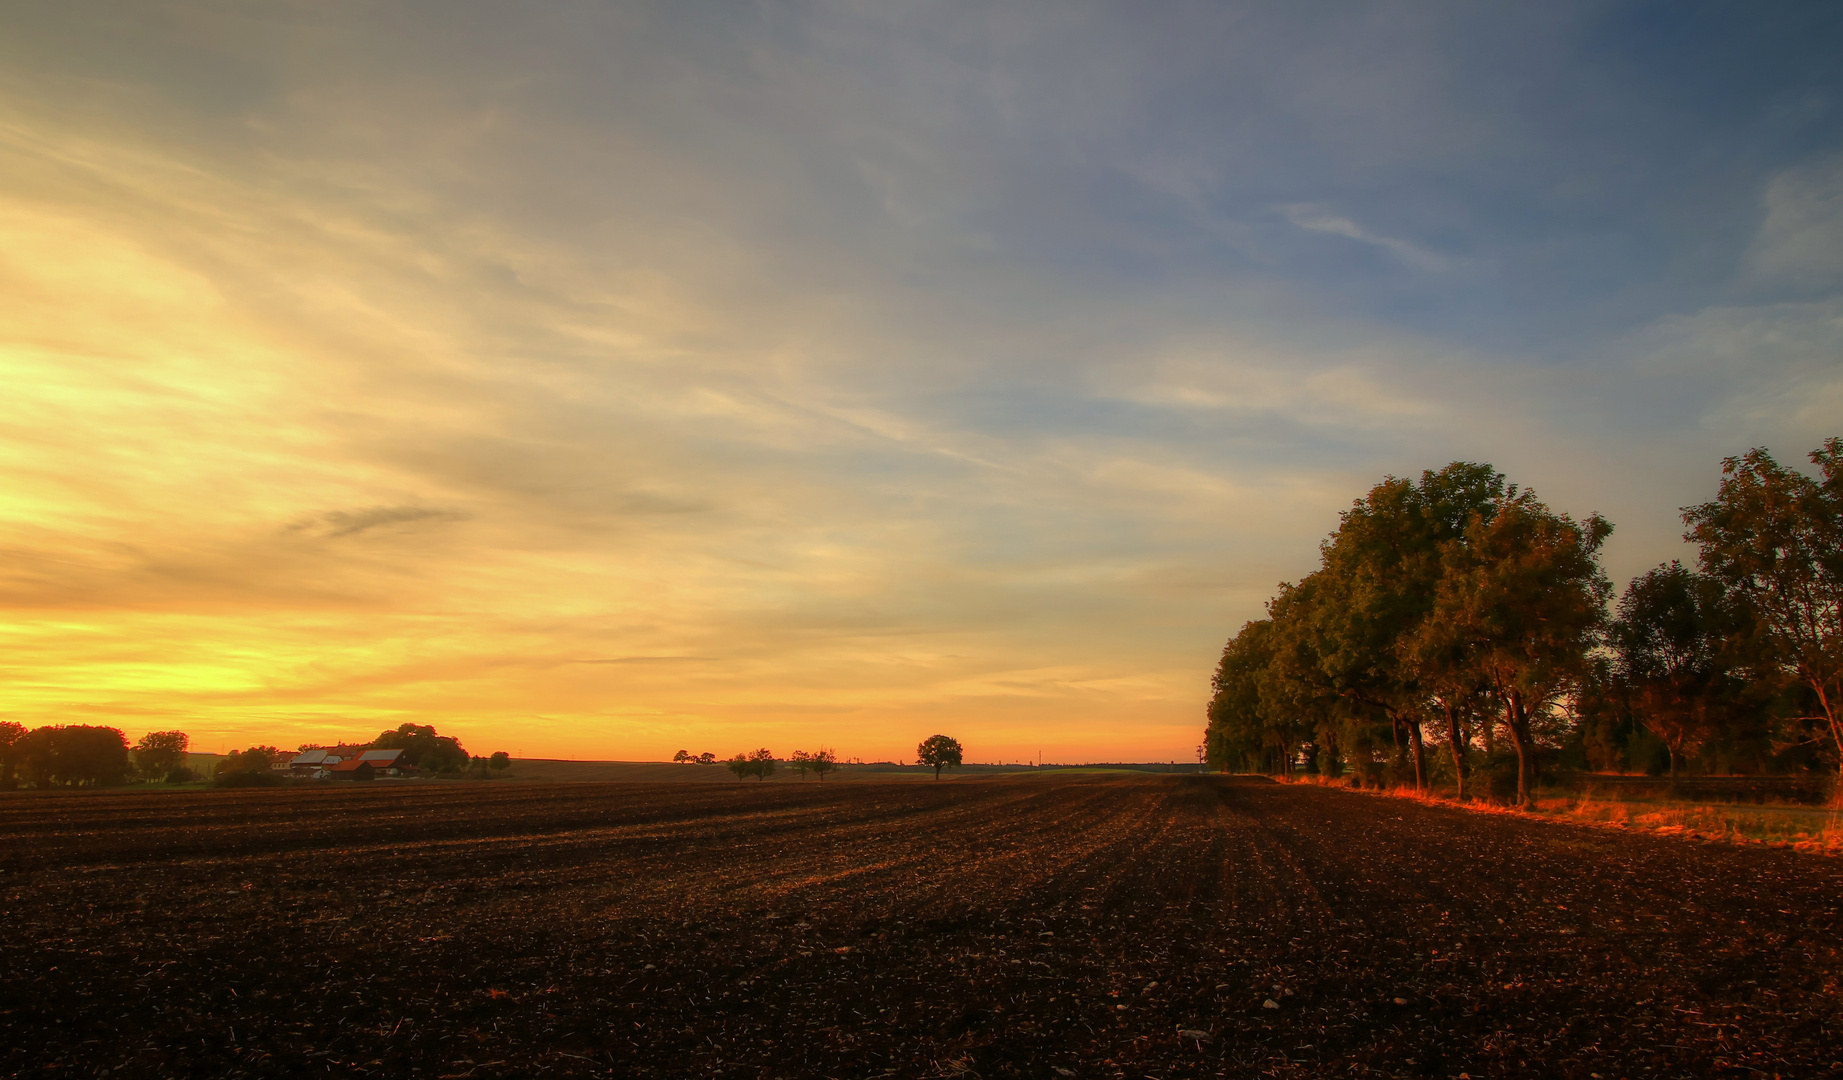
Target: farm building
x=381, y=762
x=317, y=761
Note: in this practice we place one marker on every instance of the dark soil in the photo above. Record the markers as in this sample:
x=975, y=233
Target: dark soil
x=1043, y=927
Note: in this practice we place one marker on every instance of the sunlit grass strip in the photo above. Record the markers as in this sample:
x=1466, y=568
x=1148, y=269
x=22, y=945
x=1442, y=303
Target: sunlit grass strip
x=1802, y=828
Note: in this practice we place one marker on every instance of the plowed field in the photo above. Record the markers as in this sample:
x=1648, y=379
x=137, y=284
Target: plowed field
x=1161, y=926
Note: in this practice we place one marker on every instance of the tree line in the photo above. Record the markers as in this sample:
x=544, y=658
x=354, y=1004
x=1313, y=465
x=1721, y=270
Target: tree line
x=936, y=751
x=1461, y=612
x=87, y=755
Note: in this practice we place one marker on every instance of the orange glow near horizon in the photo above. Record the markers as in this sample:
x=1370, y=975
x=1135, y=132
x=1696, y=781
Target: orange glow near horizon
x=271, y=482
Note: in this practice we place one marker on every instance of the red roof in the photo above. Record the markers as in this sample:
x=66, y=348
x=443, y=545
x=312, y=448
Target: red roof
x=377, y=759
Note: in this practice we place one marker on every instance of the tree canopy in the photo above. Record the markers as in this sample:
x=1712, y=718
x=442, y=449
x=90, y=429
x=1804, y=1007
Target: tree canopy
x=1460, y=606
x=71, y=755
x=424, y=748
x=1774, y=536
x=158, y=753
x=1433, y=600
x=939, y=751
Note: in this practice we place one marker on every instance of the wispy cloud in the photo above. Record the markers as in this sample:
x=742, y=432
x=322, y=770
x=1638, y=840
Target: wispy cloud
x=334, y=524
x=1317, y=219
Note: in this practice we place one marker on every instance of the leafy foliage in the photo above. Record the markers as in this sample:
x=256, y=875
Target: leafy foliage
x=939, y=752
x=71, y=755
x=1459, y=606
x=1774, y=536
x=158, y=753
x=1456, y=599
x=756, y=763
x=423, y=748
x=818, y=762
x=248, y=768
x=1675, y=642
x=11, y=732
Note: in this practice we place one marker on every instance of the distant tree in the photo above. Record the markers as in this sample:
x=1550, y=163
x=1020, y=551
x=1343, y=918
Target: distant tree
x=500, y=761
x=181, y=775
x=160, y=752
x=10, y=734
x=1674, y=643
x=800, y=761
x=74, y=755
x=248, y=768
x=1774, y=536
x=682, y=757
x=741, y=766
x=939, y=752
x=821, y=761
x=424, y=748
x=761, y=763
x=707, y=758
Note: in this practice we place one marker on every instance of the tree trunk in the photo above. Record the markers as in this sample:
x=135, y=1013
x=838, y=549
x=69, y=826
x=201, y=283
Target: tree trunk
x=1456, y=740
x=1836, y=733
x=1519, y=736
x=1420, y=756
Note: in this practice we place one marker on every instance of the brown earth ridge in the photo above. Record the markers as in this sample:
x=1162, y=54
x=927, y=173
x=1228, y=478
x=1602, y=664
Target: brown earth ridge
x=1160, y=926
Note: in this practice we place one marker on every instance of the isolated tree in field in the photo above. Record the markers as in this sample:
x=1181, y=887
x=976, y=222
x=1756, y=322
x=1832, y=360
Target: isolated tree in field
x=939, y=751
x=1525, y=599
x=1673, y=642
x=160, y=752
x=1774, y=536
x=500, y=761
x=707, y=758
x=10, y=734
x=74, y=755
x=800, y=761
x=682, y=757
x=821, y=761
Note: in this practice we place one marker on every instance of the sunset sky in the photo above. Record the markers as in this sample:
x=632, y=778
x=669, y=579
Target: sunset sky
x=606, y=379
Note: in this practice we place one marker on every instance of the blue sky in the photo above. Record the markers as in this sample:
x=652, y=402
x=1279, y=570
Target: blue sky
x=605, y=378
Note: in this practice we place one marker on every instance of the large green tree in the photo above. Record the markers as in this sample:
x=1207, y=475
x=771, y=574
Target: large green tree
x=1522, y=598
x=1301, y=707
x=1235, y=738
x=1774, y=536
x=1381, y=571
x=1674, y=646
